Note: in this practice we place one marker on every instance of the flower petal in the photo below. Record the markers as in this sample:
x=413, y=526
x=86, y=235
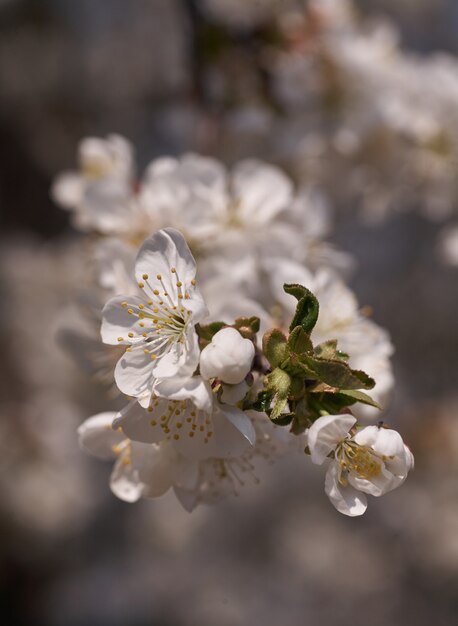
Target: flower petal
x=346, y=500
x=191, y=388
x=134, y=373
x=326, y=433
x=137, y=423
x=97, y=436
x=155, y=467
x=161, y=253
x=117, y=321
x=262, y=190
x=125, y=482
x=240, y=420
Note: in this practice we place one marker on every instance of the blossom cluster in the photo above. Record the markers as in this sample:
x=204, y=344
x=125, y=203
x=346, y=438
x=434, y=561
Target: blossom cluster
x=223, y=370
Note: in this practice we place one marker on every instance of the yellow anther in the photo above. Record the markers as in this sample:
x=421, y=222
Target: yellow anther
x=173, y=270
x=153, y=357
x=145, y=276
x=153, y=423
x=179, y=425
x=130, y=311
x=146, y=351
x=141, y=285
x=141, y=324
x=144, y=334
x=141, y=306
x=176, y=437
x=150, y=302
x=124, y=304
x=179, y=283
x=158, y=276
x=193, y=282
x=130, y=335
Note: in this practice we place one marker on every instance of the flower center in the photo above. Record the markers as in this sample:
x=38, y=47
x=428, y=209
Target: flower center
x=359, y=459
x=162, y=320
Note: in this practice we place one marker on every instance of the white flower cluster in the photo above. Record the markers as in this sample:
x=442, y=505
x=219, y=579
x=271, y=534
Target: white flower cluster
x=189, y=420
x=358, y=110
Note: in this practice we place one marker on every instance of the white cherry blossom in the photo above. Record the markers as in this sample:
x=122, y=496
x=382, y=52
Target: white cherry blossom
x=187, y=414
x=220, y=478
x=100, y=192
x=141, y=470
x=158, y=324
x=228, y=357
x=373, y=460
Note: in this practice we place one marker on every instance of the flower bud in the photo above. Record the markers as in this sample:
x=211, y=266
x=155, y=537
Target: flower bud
x=228, y=357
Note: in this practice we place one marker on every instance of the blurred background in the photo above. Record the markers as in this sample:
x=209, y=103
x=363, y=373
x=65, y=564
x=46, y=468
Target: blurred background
x=303, y=85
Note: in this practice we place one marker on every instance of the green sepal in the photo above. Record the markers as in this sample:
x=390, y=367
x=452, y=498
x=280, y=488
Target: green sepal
x=284, y=419
x=206, y=333
x=263, y=401
x=279, y=382
x=307, y=308
x=274, y=346
x=251, y=323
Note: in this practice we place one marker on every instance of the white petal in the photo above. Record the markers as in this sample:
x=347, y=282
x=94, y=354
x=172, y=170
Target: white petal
x=155, y=466
x=117, y=322
x=187, y=498
x=97, y=436
x=134, y=373
x=326, y=433
x=228, y=357
x=193, y=388
x=232, y=394
x=345, y=499
x=136, y=423
x=186, y=473
x=159, y=254
x=262, y=190
x=67, y=190
x=241, y=421
x=125, y=482
x=384, y=441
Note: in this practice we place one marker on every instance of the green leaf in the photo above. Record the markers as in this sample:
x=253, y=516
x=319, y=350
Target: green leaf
x=307, y=307
x=359, y=396
x=299, y=342
x=274, y=346
x=328, y=350
x=336, y=373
